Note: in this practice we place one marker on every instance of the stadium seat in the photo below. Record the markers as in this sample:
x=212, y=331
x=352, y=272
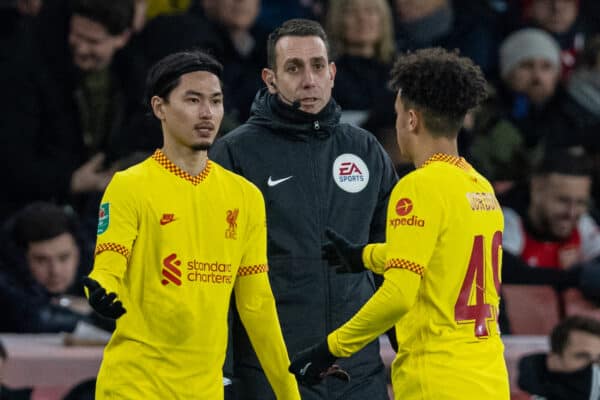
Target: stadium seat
x=531, y=309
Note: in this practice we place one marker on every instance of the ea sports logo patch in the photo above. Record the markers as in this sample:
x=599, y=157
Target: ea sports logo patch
x=404, y=206
x=350, y=173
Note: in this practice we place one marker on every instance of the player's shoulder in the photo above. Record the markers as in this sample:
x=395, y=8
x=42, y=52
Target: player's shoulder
x=137, y=174
x=233, y=180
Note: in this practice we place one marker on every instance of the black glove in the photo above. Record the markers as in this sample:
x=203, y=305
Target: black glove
x=313, y=364
x=346, y=256
x=104, y=304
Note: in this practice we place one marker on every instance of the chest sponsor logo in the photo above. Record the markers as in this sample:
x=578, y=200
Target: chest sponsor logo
x=171, y=272
x=231, y=218
x=167, y=219
x=196, y=271
x=103, y=218
x=350, y=173
x=404, y=207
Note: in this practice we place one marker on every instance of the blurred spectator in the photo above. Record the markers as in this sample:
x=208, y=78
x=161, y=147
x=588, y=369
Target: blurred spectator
x=69, y=122
x=571, y=370
x=44, y=257
x=243, y=52
x=552, y=228
x=29, y=7
x=429, y=23
x=166, y=7
x=274, y=12
x=495, y=145
x=532, y=96
x=563, y=20
x=362, y=37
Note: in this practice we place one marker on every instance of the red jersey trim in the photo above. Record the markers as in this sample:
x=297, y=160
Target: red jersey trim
x=160, y=158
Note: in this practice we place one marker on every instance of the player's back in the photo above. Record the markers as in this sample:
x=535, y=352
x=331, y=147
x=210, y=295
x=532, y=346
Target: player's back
x=449, y=341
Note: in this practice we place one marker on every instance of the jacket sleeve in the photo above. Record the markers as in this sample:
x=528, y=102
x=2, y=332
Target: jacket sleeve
x=389, y=178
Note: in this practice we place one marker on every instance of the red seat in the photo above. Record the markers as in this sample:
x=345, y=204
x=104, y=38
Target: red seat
x=531, y=309
x=576, y=304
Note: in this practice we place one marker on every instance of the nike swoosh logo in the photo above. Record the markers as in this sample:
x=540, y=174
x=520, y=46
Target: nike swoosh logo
x=305, y=368
x=165, y=221
x=276, y=182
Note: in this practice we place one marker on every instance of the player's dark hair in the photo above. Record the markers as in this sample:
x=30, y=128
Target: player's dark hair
x=165, y=75
x=294, y=27
x=441, y=85
x=572, y=161
x=41, y=221
x=115, y=15
x=559, y=337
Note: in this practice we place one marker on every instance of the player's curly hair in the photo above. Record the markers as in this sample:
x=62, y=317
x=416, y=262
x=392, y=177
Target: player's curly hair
x=440, y=84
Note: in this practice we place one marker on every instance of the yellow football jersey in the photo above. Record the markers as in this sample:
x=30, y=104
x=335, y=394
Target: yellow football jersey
x=174, y=246
x=445, y=225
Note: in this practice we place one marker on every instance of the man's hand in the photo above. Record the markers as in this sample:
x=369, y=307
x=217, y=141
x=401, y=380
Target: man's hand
x=346, y=256
x=104, y=304
x=315, y=363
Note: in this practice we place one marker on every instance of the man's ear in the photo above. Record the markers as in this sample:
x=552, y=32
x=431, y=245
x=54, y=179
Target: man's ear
x=157, y=104
x=268, y=77
x=332, y=72
x=415, y=119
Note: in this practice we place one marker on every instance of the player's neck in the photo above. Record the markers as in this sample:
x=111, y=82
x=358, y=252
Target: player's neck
x=191, y=161
x=431, y=146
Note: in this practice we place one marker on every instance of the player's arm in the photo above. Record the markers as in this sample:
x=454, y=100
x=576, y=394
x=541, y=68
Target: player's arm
x=392, y=300
x=256, y=307
x=373, y=257
x=117, y=229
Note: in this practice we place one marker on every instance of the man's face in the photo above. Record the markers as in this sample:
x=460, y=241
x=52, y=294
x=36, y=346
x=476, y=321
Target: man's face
x=238, y=14
x=362, y=23
x=193, y=113
x=536, y=78
x=53, y=263
x=303, y=72
x=556, y=16
x=558, y=201
x=93, y=47
x=582, y=349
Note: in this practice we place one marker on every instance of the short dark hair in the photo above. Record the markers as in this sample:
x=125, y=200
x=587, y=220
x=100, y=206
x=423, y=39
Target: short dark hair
x=570, y=161
x=42, y=221
x=294, y=27
x=165, y=75
x=561, y=332
x=440, y=84
x=115, y=15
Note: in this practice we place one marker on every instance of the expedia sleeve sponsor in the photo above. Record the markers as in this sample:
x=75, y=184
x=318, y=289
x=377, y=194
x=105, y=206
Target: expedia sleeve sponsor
x=413, y=220
x=483, y=201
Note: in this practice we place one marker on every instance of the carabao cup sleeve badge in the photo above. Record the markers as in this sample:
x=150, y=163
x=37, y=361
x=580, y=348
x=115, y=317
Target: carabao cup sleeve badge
x=103, y=218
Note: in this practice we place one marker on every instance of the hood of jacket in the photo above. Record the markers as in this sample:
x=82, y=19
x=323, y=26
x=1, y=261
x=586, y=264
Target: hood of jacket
x=269, y=111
